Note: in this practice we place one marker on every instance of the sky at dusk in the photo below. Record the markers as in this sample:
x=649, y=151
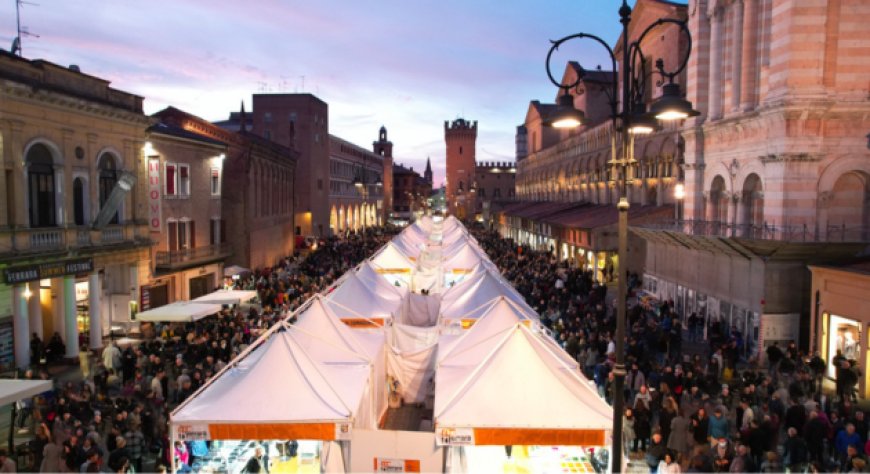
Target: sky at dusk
x=408, y=65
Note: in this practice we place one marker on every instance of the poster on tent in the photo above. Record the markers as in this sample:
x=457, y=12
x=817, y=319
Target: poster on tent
x=455, y=437
x=191, y=431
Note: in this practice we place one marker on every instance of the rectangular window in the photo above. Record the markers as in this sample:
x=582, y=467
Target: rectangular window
x=183, y=180
x=173, y=235
x=182, y=235
x=223, y=231
x=170, y=179
x=215, y=182
x=212, y=232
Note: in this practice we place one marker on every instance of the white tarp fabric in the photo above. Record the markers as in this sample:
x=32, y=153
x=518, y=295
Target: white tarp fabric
x=369, y=275
x=500, y=316
x=465, y=258
x=179, y=312
x=456, y=462
x=411, y=360
x=331, y=459
x=488, y=393
x=234, y=270
x=227, y=297
x=422, y=310
x=12, y=390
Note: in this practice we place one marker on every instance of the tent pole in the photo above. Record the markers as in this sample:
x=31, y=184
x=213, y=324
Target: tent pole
x=173, y=468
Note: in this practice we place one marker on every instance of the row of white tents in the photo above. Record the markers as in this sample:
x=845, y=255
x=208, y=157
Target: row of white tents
x=428, y=318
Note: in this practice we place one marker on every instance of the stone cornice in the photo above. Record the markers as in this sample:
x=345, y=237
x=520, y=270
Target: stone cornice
x=791, y=157
x=70, y=104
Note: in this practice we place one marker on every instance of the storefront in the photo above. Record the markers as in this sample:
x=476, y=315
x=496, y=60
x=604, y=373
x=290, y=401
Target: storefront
x=730, y=316
x=841, y=315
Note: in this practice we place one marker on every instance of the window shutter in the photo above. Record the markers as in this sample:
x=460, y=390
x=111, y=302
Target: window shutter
x=192, y=227
x=211, y=230
x=223, y=231
x=173, y=236
x=170, y=180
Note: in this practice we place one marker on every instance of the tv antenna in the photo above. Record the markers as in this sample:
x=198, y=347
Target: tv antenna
x=22, y=31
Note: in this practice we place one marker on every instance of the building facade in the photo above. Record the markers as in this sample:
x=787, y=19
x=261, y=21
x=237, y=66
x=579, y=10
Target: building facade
x=74, y=244
x=410, y=194
x=559, y=166
x=356, y=186
x=257, y=191
x=777, y=165
x=189, y=230
x=494, y=185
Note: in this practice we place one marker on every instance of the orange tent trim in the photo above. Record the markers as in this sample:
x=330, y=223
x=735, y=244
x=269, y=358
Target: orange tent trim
x=538, y=437
x=318, y=431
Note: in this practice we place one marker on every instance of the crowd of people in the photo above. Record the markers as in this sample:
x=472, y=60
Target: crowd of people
x=709, y=411
x=115, y=418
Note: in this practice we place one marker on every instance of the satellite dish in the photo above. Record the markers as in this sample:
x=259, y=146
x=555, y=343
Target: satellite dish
x=16, y=45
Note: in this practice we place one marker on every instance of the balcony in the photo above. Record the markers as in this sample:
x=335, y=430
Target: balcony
x=182, y=258
x=765, y=231
x=22, y=241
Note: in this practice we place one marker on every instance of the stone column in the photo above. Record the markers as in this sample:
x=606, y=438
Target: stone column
x=95, y=299
x=737, y=55
x=20, y=327
x=750, y=55
x=35, y=310
x=58, y=305
x=72, y=327
x=716, y=63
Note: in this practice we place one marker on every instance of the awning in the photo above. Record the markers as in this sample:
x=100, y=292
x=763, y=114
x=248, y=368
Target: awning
x=592, y=216
x=179, y=312
x=12, y=390
x=227, y=297
x=234, y=270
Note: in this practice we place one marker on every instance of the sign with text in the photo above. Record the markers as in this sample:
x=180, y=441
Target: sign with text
x=25, y=273
x=155, y=217
x=455, y=437
x=191, y=432
x=397, y=465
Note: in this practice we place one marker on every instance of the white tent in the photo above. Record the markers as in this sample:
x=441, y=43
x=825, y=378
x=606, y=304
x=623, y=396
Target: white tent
x=179, y=312
x=550, y=404
x=12, y=390
x=359, y=305
x=277, y=391
x=368, y=273
x=227, y=297
x=469, y=296
x=391, y=260
x=465, y=258
x=494, y=318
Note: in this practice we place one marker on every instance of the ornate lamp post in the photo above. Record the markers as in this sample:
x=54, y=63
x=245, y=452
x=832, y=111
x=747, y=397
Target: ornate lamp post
x=631, y=119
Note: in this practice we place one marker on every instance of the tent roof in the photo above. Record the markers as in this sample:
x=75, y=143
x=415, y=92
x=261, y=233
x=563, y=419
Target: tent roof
x=227, y=297
x=233, y=270
x=489, y=394
x=278, y=382
x=352, y=299
x=466, y=257
x=375, y=281
x=180, y=311
x=12, y=390
x=391, y=258
x=332, y=339
x=459, y=302
x=494, y=318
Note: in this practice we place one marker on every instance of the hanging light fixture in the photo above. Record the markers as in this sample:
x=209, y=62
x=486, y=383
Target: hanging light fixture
x=671, y=105
x=566, y=115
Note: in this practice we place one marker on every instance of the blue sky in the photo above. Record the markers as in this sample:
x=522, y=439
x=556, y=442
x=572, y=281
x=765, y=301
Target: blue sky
x=406, y=64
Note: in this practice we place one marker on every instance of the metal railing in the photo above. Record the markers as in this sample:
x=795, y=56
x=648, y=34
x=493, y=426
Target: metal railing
x=175, y=257
x=766, y=231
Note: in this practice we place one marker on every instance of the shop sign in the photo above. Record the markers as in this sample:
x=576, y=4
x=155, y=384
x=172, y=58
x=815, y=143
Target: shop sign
x=397, y=465
x=145, y=297
x=343, y=431
x=455, y=437
x=155, y=218
x=191, y=432
x=26, y=273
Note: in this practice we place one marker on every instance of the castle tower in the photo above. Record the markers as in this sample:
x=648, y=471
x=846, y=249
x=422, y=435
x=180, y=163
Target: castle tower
x=460, y=137
x=427, y=175
x=384, y=148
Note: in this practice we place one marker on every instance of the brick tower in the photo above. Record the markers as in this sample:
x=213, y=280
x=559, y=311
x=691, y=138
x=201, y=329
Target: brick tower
x=384, y=147
x=460, y=137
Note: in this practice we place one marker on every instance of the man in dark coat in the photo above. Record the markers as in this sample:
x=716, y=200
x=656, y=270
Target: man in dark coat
x=795, y=453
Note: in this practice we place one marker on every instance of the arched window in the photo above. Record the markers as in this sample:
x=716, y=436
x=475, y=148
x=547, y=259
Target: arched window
x=108, y=180
x=79, y=201
x=40, y=183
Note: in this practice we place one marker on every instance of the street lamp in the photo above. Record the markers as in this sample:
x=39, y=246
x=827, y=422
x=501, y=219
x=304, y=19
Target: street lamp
x=633, y=119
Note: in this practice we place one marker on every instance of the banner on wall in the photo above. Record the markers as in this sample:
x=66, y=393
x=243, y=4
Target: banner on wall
x=154, y=198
